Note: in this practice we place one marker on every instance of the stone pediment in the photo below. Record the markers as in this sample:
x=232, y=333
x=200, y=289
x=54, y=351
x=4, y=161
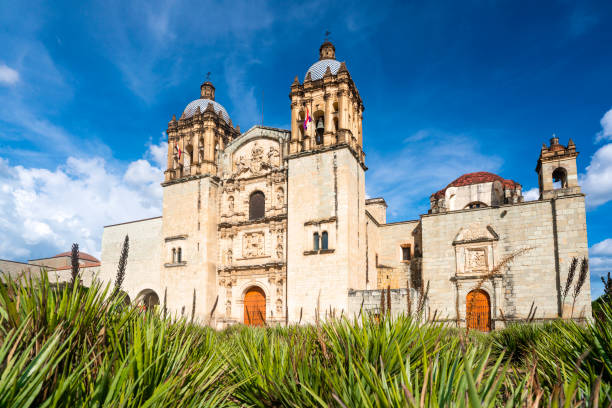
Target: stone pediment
x=475, y=233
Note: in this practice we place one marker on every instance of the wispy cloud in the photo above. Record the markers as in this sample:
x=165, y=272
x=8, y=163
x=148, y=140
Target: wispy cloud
x=8, y=76
x=407, y=177
x=597, y=181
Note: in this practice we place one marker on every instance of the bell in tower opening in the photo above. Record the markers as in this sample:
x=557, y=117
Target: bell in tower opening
x=320, y=130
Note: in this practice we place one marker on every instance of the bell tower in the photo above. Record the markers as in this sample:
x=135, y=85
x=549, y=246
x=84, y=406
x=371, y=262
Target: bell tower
x=325, y=191
x=190, y=201
x=326, y=109
x=195, y=140
x=557, y=170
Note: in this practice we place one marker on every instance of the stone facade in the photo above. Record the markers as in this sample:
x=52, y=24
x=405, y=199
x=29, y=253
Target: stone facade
x=284, y=212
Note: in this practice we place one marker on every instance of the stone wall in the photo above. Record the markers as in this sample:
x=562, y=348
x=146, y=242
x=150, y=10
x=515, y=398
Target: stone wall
x=532, y=277
x=144, y=257
x=368, y=301
x=325, y=191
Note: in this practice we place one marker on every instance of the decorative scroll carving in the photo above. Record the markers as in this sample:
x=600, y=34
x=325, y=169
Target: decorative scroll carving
x=253, y=244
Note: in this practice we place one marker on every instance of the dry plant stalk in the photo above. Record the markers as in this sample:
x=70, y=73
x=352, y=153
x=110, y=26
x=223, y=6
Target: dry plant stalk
x=74, y=258
x=193, y=304
x=122, y=264
x=382, y=302
x=584, y=272
x=389, y=299
x=570, y=278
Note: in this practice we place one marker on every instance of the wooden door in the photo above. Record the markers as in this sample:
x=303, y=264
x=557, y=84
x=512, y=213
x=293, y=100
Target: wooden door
x=255, y=307
x=478, y=310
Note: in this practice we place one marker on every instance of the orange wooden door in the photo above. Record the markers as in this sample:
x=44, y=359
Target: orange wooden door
x=478, y=311
x=255, y=307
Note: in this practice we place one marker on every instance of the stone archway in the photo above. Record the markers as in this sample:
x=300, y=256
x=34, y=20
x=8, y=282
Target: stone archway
x=255, y=307
x=147, y=299
x=478, y=310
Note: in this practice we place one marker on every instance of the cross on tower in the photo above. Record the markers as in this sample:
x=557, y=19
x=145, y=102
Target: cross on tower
x=208, y=76
x=327, y=33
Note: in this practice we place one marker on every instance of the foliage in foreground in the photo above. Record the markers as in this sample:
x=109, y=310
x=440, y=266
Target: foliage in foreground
x=73, y=346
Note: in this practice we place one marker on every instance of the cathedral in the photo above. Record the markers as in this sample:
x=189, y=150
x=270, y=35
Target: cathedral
x=273, y=226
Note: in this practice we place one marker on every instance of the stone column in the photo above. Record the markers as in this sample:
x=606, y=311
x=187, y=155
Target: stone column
x=342, y=106
x=329, y=119
x=295, y=132
x=360, y=127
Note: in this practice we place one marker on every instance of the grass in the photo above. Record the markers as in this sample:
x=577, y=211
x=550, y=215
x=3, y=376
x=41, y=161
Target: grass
x=73, y=346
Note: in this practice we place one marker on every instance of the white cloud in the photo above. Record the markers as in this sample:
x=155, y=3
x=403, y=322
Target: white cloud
x=43, y=212
x=406, y=177
x=602, y=248
x=597, y=182
x=531, y=194
x=8, y=75
x=606, y=127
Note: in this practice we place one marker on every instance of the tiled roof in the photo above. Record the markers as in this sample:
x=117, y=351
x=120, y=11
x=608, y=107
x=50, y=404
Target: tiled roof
x=317, y=70
x=477, y=178
x=81, y=266
x=82, y=255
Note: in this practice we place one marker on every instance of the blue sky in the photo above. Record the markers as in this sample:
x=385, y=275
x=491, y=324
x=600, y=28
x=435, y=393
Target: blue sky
x=86, y=91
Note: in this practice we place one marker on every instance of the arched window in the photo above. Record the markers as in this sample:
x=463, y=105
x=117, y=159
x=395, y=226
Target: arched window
x=257, y=205
x=320, y=129
x=173, y=255
x=559, y=178
x=476, y=204
x=315, y=241
x=179, y=255
x=324, y=240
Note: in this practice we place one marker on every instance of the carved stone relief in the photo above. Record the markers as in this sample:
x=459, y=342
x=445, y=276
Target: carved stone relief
x=253, y=244
x=257, y=160
x=476, y=259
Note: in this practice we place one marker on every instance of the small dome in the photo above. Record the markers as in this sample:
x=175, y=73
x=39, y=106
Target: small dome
x=190, y=110
x=317, y=70
x=477, y=178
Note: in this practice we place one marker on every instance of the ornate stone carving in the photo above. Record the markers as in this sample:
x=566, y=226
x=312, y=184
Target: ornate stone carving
x=229, y=256
x=476, y=259
x=230, y=204
x=279, y=306
x=253, y=244
x=258, y=161
x=228, y=309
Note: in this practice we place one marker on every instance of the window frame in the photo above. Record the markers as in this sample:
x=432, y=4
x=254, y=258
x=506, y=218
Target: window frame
x=254, y=214
x=405, y=247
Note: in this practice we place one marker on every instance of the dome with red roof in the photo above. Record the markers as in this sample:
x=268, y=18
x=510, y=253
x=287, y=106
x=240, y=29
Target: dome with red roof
x=477, y=178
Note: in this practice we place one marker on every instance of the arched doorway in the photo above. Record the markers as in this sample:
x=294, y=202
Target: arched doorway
x=255, y=307
x=147, y=299
x=478, y=310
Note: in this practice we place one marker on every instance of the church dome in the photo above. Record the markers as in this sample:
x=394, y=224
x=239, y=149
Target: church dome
x=477, y=178
x=317, y=70
x=191, y=109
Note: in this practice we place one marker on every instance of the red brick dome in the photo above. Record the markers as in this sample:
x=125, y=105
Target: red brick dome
x=477, y=178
